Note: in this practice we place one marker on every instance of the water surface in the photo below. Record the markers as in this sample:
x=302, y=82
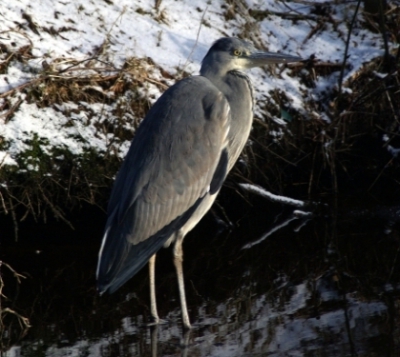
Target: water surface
x=328, y=286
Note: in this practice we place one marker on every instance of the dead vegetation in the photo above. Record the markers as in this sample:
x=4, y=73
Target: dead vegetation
x=53, y=179
x=353, y=150
x=13, y=325
x=305, y=153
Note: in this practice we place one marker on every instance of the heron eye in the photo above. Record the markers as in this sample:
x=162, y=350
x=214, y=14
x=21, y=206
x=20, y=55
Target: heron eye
x=237, y=52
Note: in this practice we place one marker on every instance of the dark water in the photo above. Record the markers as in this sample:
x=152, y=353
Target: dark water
x=326, y=287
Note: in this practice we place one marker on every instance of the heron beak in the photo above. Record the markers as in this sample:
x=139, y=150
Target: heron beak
x=263, y=58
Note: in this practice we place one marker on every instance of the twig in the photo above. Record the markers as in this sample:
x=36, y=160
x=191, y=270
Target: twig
x=3, y=203
x=156, y=82
x=25, y=321
x=13, y=271
x=196, y=42
x=11, y=112
x=56, y=75
x=320, y=25
x=21, y=86
x=55, y=210
x=346, y=50
x=77, y=64
x=380, y=173
x=14, y=218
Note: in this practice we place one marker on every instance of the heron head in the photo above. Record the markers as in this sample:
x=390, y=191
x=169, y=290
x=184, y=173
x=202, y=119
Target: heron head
x=230, y=53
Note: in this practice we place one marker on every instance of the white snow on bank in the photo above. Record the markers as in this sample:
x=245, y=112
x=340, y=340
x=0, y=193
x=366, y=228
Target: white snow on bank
x=176, y=36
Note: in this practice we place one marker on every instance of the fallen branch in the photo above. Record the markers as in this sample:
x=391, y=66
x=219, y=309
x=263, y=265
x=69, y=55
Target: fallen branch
x=275, y=198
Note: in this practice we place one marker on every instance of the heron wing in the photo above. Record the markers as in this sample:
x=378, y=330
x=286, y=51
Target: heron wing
x=177, y=156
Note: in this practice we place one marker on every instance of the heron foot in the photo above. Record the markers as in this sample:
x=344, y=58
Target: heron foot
x=187, y=327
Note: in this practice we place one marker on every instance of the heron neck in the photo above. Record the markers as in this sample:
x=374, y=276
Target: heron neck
x=238, y=90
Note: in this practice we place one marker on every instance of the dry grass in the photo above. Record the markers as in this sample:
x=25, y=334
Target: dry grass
x=61, y=180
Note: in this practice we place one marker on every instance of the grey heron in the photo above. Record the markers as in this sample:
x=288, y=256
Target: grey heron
x=177, y=162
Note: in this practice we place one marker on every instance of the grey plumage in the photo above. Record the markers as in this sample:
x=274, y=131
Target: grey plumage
x=177, y=163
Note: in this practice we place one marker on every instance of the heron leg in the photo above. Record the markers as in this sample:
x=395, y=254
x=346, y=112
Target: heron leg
x=178, y=259
x=153, y=302
x=154, y=340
